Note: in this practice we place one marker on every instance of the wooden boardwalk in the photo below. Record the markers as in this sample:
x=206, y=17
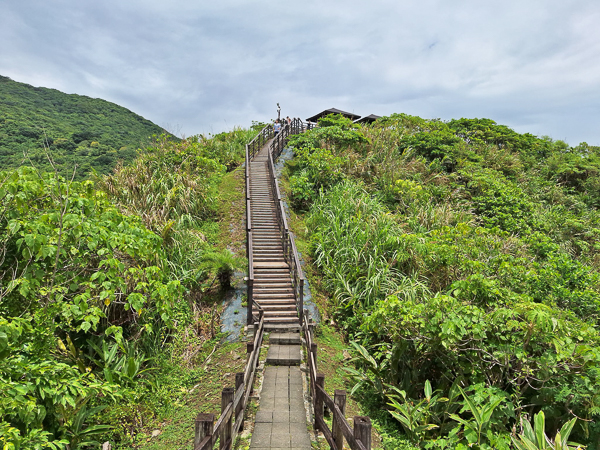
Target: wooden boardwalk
x=273, y=290
x=280, y=421
x=275, y=285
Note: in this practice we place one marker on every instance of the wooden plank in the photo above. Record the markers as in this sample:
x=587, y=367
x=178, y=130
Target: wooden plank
x=251, y=364
x=222, y=422
x=250, y=258
x=205, y=444
x=250, y=380
x=296, y=259
x=238, y=395
x=326, y=432
x=226, y=435
x=339, y=398
x=285, y=225
x=277, y=192
x=248, y=214
x=238, y=421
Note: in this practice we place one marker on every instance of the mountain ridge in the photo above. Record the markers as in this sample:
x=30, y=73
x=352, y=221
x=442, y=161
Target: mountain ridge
x=79, y=133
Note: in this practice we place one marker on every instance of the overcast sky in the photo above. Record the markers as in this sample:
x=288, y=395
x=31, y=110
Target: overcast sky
x=198, y=66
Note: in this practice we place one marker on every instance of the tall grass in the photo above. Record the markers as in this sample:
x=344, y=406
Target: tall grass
x=472, y=259
x=173, y=187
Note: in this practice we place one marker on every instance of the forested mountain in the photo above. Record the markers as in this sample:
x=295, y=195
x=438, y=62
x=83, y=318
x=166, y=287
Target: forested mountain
x=74, y=130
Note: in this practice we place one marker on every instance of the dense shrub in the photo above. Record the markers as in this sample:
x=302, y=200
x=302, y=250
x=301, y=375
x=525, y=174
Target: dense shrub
x=74, y=271
x=464, y=254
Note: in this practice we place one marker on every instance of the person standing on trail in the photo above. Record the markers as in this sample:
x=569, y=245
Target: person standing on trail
x=277, y=127
x=288, y=120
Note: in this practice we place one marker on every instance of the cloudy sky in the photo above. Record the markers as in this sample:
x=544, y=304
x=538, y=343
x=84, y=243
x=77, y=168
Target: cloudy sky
x=199, y=66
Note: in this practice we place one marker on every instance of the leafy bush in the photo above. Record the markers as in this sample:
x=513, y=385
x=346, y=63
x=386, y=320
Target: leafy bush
x=334, y=131
x=73, y=269
x=434, y=144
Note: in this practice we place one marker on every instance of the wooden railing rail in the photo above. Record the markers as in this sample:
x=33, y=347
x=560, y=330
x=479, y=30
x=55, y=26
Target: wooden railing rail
x=233, y=402
x=289, y=245
x=358, y=437
x=249, y=255
x=260, y=140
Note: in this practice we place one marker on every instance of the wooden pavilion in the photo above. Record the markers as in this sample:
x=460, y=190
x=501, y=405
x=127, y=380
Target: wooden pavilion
x=332, y=111
x=367, y=119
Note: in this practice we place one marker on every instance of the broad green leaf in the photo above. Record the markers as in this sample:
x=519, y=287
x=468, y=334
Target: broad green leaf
x=540, y=425
x=428, y=390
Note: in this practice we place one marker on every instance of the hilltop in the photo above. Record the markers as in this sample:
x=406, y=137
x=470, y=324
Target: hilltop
x=75, y=130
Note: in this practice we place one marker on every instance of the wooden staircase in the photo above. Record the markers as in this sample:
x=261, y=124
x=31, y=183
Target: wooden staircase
x=273, y=290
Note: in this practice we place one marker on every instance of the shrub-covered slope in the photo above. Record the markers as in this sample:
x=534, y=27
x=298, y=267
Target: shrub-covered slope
x=460, y=255
x=104, y=290
x=75, y=130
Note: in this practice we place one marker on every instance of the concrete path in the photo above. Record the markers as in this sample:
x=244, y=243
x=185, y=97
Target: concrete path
x=281, y=417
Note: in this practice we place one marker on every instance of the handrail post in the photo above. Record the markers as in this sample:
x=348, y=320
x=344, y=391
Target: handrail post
x=319, y=400
x=301, y=302
x=362, y=431
x=249, y=301
x=313, y=350
x=203, y=427
x=239, y=383
x=339, y=399
x=225, y=439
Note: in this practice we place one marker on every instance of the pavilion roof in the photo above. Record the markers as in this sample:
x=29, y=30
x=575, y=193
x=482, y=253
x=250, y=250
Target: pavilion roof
x=332, y=111
x=367, y=119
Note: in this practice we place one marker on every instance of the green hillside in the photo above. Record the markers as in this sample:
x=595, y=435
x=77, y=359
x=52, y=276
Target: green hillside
x=74, y=130
x=461, y=258
x=103, y=290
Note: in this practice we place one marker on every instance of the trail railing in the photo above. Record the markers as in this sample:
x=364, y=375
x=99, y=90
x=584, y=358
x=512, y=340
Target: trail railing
x=250, y=256
x=287, y=237
x=233, y=402
x=259, y=141
x=280, y=139
x=277, y=145
x=358, y=437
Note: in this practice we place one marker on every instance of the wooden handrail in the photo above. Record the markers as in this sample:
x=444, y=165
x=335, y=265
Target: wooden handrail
x=289, y=245
x=233, y=402
x=358, y=438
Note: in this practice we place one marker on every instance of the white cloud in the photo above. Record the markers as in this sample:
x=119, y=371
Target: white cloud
x=206, y=66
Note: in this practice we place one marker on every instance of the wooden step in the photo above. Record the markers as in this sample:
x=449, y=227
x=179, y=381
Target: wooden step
x=269, y=264
x=272, y=288
x=258, y=296
x=275, y=272
x=267, y=279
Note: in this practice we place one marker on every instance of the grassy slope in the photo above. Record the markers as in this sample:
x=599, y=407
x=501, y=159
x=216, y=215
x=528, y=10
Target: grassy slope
x=199, y=395
x=412, y=188
x=78, y=130
x=202, y=393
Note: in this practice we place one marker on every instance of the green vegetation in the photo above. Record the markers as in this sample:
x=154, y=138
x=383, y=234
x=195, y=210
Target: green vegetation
x=461, y=258
x=108, y=300
x=76, y=132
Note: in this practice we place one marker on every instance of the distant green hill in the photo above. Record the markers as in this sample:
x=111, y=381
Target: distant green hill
x=74, y=130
